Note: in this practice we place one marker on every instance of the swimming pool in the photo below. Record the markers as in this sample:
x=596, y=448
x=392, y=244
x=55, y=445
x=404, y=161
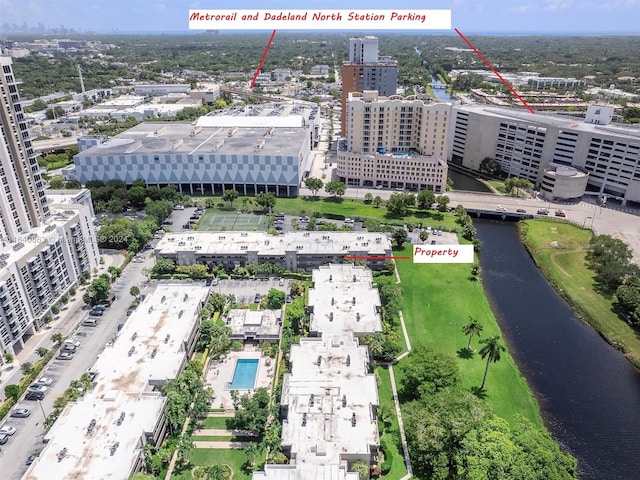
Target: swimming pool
x=244, y=375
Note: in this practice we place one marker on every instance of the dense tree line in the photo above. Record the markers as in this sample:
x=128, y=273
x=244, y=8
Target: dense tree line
x=610, y=259
x=452, y=434
x=148, y=57
x=385, y=346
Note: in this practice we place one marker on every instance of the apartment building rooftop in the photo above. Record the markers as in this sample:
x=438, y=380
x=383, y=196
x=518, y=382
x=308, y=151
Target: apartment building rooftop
x=257, y=325
x=330, y=399
x=239, y=243
x=100, y=436
x=343, y=299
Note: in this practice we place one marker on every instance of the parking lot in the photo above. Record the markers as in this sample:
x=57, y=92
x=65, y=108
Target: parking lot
x=245, y=290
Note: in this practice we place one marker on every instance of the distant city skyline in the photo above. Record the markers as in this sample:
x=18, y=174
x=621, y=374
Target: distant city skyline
x=470, y=16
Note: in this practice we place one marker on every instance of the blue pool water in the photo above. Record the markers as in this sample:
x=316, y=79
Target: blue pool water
x=244, y=376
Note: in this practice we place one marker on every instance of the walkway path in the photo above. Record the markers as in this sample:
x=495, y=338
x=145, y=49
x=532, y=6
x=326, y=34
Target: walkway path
x=396, y=401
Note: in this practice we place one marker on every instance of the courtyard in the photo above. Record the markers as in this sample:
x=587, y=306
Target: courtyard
x=245, y=370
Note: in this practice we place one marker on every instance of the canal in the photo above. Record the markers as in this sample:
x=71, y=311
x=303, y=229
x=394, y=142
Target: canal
x=588, y=393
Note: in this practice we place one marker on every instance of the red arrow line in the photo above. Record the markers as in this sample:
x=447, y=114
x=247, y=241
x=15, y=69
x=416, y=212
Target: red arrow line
x=264, y=55
x=374, y=257
x=486, y=62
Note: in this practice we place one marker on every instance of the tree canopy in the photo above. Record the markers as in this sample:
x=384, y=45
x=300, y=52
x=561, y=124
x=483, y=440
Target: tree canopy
x=426, y=371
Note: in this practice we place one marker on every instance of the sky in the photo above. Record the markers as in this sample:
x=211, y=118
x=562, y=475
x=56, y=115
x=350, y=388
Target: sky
x=469, y=16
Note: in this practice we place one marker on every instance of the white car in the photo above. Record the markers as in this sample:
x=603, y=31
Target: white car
x=46, y=381
x=7, y=430
x=348, y=220
x=37, y=388
x=500, y=208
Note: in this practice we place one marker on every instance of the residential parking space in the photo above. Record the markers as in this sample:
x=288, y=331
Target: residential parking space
x=245, y=290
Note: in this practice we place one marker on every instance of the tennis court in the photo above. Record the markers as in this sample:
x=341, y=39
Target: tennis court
x=233, y=221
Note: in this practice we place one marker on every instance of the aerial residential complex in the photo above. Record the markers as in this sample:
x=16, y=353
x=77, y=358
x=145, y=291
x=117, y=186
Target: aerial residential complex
x=259, y=148
x=395, y=142
x=329, y=399
x=46, y=242
x=296, y=251
x=366, y=71
x=102, y=434
x=567, y=157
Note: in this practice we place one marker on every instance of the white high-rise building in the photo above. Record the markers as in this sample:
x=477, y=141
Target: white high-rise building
x=363, y=50
x=23, y=203
x=46, y=242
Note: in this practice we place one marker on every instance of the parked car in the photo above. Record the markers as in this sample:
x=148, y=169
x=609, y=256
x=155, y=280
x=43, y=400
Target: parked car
x=68, y=348
x=349, y=220
x=289, y=299
x=281, y=282
x=46, y=381
x=215, y=282
x=7, y=430
x=96, y=313
x=257, y=298
x=30, y=459
x=65, y=356
x=521, y=210
x=4, y=439
x=37, y=388
x=543, y=211
x=561, y=213
x=20, y=412
x=34, y=396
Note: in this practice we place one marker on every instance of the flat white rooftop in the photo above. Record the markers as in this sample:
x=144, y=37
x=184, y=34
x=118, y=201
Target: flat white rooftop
x=343, y=299
x=331, y=401
x=88, y=453
x=38, y=238
x=305, y=472
x=148, y=351
x=229, y=243
x=256, y=324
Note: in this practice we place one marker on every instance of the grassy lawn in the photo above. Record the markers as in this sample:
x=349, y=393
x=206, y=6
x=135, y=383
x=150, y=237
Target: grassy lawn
x=212, y=456
x=438, y=300
x=347, y=208
x=218, y=423
x=389, y=429
x=563, y=264
x=499, y=186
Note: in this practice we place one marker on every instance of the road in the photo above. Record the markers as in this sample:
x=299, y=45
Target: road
x=29, y=435
x=614, y=220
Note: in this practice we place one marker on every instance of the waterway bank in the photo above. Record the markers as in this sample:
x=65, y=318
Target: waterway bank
x=559, y=252
x=588, y=392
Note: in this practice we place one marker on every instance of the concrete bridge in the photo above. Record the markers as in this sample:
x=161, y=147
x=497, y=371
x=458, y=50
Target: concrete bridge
x=498, y=215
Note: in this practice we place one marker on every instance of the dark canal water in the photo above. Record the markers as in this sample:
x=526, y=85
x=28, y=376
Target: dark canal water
x=465, y=182
x=589, y=394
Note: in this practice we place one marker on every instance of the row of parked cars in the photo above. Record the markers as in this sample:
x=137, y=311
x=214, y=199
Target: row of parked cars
x=37, y=390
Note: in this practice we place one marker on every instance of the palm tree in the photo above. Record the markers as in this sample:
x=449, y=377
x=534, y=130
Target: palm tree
x=491, y=350
x=470, y=329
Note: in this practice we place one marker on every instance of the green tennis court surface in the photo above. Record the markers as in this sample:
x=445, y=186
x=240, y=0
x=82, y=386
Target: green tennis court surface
x=233, y=221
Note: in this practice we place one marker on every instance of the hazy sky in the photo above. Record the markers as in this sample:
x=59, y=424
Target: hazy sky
x=492, y=16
